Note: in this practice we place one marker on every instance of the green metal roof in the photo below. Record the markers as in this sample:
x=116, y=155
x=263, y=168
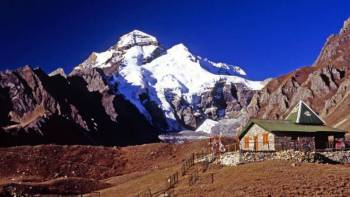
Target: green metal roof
x=308, y=116
x=303, y=114
x=287, y=126
x=293, y=115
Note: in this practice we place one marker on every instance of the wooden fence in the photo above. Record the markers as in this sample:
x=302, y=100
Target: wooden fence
x=187, y=164
x=193, y=178
x=200, y=155
x=205, y=165
x=173, y=179
x=170, y=183
x=232, y=147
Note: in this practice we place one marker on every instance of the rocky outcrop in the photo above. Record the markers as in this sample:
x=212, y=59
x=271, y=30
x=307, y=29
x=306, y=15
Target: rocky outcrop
x=25, y=98
x=223, y=101
x=58, y=71
x=94, y=78
x=78, y=109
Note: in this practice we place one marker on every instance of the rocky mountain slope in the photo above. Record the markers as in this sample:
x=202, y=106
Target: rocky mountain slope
x=125, y=95
x=37, y=108
x=324, y=86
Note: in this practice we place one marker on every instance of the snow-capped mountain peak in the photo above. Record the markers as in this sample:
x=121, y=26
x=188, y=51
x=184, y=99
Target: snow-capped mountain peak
x=153, y=78
x=136, y=37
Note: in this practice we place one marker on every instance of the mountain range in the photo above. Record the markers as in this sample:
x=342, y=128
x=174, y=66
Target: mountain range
x=137, y=89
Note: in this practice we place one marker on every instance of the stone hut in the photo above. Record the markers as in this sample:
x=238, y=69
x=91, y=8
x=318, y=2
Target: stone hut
x=302, y=129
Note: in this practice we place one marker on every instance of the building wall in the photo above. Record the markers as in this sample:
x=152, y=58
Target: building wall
x=287, y=141
x=303, y=141
x=256, y=130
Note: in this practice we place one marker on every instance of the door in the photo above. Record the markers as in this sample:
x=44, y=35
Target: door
x=256, y=143
x=330, y=141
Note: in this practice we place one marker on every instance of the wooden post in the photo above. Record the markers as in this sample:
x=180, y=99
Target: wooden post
x=212, y=177
x=192, y=159
x=149, y=192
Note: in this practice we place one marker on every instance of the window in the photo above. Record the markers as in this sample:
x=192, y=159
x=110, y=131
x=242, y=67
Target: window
x=265, y=138
x=246, y=142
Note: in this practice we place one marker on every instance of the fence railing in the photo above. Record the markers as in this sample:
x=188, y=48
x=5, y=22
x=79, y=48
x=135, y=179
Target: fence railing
x=193, y=178
x=187, y=164
x=232, y=147
x=173, y=179
x=170, y=183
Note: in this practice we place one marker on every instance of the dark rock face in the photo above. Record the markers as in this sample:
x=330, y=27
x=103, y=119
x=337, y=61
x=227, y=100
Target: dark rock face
x=82, y=108
x=79, y=109
x=224, y=100
x=94, y=79
x=324, y=86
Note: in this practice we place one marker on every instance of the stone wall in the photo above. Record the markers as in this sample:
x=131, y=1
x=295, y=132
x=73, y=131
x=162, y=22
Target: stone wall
x=296, y=156
x=305, y=143
x=290, y=155
x=235, y=158
x=230, y=159
x=333, y=156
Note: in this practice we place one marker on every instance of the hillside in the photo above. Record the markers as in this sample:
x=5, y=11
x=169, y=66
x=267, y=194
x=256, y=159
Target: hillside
x=324, y=85
x=76, y=169
x=129, y=171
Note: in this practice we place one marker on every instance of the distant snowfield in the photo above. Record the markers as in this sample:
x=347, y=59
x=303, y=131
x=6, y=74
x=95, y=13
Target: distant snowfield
x=206, y=126
x=174, y=71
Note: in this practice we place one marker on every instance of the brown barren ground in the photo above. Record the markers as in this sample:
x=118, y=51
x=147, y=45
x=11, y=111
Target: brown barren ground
x=271, y=178
x=137, y=169
x=39, y=164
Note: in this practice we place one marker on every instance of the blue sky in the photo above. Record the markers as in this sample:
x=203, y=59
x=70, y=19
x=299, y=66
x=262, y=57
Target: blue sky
x=266, y=38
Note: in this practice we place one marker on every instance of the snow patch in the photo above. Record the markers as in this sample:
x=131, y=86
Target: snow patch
x=102, y=58
x=135, y=37
x=221, y=68
x=207, y=125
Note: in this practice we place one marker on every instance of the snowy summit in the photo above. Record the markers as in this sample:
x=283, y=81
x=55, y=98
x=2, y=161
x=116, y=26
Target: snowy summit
x=146, y=68
x=136, y=37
